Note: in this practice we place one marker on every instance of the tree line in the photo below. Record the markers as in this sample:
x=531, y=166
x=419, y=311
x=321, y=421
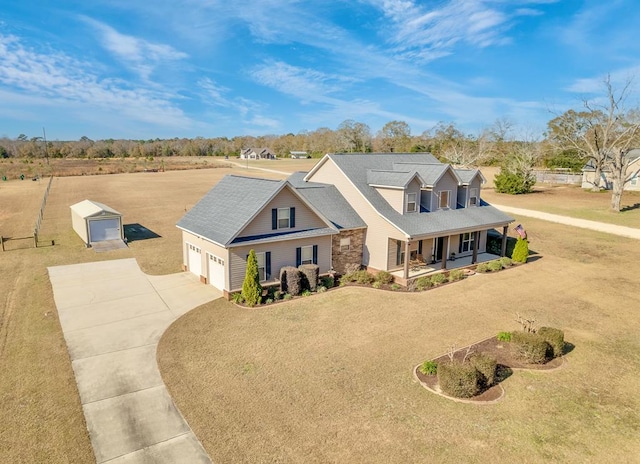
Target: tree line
x=602, y=132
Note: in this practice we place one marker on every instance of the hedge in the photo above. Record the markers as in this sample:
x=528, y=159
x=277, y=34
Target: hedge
x=290, y=280
x=531, y=347
x=555, y=338
x=310, y=274
x=486, y=367
x=460, y=380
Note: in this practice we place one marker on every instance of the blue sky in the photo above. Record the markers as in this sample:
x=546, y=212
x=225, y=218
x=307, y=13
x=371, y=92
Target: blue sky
x=167, y=68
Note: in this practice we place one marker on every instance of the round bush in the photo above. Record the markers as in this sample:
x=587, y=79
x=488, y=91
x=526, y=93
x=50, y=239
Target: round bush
x=384, y=277
x=459, y=380
x=438, y=279
x=486, y=366
x=555, y=338
x=310, y=273
x=494, y=265
x=531, y=347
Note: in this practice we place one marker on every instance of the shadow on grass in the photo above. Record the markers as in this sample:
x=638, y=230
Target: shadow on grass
x=135, y=232
x=630, y=207
x=568, y=348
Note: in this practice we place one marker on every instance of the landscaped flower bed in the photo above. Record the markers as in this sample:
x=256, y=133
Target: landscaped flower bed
x=475, y=372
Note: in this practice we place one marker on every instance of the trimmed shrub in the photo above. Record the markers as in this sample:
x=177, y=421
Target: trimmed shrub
x=422, y=283
x=531, y=347
x=377, y=284
x=290, y=280
x=363, y=277
x=494, y=265
x=482, y=267
x=310, y=274
x=456, y=274
x=438, y=279
x=395, y=287
x=237, y=298
x=251, y=288
x=269, y=301
x=277, y=295
x=306, y=293
x=514, y=183
x=384, y=277
x=287, y=296
x=521, y=251
x=429, y=368
x=457, y=379
x=327, y=281
x=506, y=262
x=504, y=336
x=321, y=289
x=554, y=337
x=486, y=367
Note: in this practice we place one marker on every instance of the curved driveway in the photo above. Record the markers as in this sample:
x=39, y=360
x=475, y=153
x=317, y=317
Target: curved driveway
x=112, y=317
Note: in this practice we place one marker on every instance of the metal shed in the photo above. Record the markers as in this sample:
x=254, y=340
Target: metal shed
x=96, y=222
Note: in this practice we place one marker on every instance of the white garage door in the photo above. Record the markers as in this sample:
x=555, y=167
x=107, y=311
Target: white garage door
x=216, y=271
x=194, y=259
x=104, y=229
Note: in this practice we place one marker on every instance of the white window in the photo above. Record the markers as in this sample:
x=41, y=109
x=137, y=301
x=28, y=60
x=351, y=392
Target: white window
x=345, y=244
x=194, y=248
x=216, y=259
x=444, y=199
x=262, y=271
x=411, y=202
x=283, y=218
x=466, y=242
x=473, y=197
x=306, y=255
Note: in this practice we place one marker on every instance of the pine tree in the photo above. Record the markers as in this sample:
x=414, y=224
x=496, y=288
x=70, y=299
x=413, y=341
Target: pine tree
x=521, y=251
x=251, y=288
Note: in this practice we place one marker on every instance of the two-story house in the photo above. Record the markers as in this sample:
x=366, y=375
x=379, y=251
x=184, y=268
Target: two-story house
x=379, y=210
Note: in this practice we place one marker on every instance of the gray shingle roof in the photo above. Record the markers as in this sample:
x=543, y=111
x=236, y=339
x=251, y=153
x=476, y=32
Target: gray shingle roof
x=228, y=206
x=430, y=173
x=389, y=178
x=328, y=201
x=355, y=167
x=467, y=175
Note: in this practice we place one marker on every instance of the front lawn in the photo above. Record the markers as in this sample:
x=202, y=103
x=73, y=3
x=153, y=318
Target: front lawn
x=329, y=378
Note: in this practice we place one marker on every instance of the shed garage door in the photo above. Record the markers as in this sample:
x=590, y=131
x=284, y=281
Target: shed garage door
x=216, y=271
x=104, y=229
x=194, y=258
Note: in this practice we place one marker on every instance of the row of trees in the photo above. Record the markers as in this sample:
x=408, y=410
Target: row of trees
x=601, y=132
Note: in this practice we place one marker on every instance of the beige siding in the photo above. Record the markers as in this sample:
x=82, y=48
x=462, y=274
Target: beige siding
x=378, y=229
x=395, y=197
x=447, y=182
x=282, y=254
x=306, y=218
x=80, y=226
x=206, y=247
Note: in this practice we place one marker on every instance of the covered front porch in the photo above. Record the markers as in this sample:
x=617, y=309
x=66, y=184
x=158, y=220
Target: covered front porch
x=423, y=255
x=419, y=270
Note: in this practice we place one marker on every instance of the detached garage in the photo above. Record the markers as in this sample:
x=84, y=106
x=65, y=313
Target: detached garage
x=95, y=222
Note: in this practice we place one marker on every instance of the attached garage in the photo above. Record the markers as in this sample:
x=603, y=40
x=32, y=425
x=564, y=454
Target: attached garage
x=96, y=222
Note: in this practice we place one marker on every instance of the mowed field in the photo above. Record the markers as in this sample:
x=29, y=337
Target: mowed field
x=40, y=411
x=355, y=348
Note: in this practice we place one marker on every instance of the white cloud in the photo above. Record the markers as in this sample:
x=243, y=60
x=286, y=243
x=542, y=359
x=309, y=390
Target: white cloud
x=60, y=77
x=140, y=55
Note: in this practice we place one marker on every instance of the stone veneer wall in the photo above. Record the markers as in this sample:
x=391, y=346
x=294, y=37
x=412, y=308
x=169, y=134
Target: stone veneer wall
x=354, y=255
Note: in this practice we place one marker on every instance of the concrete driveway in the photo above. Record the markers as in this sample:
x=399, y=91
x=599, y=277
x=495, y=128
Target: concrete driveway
x=112, y=317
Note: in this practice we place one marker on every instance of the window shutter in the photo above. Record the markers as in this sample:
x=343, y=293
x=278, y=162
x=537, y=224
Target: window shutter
x=267, y=265
x=298, y=256
x=315, y=254
x=274, y=218
x=420, y=247
x=460, y=244
x=292, y=217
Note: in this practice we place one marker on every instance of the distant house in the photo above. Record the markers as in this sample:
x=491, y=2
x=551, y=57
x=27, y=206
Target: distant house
x=382, y=211
x=299, y=155
x=257, y=153
x=632, y=174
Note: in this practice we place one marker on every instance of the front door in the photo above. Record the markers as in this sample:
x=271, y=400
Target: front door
x=438, y=250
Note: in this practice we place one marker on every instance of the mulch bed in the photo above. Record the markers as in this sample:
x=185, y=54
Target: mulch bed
x=504, y=353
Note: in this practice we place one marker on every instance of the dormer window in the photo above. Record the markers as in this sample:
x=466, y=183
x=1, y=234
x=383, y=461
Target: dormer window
x=444, y=199
x=412, y=199
x=473, y=197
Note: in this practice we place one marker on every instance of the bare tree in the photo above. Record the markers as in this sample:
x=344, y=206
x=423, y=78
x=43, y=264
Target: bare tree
x=468, y=152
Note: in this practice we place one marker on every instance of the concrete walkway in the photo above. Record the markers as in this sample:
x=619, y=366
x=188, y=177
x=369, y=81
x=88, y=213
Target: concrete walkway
x=112, y=317
x=623, y=231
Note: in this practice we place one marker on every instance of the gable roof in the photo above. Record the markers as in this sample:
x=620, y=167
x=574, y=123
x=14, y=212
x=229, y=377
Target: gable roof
x=329, y=201
x=393, y=179
x=356, y=166
x=467, y=175
x=88, y=208
x=431, y=173
x=232, y=203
